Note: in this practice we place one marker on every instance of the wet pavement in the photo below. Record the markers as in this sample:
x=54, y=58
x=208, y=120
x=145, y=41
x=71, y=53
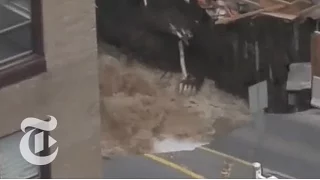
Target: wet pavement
x=287, y=147
x=138, y=167
x=289, y=144
x=198, y=163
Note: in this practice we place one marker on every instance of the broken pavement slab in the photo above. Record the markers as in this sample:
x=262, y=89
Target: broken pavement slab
x=299, y=85
x=315, y=100
x=299, y=77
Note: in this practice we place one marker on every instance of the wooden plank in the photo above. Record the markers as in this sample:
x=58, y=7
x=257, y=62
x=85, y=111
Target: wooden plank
x=292, y=2
x=315, y=53
x=309, y=9
x=293, y=7
x=315, y=66
x=252, y=13
x=251, y=2
x=280, y=15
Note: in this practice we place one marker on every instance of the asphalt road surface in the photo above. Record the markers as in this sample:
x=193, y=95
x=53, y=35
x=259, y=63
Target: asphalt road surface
x=197, y=164
x=289, y=144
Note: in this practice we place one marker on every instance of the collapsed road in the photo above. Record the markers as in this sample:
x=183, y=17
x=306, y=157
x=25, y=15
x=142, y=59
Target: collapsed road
x=218, y=56
x=235, y=55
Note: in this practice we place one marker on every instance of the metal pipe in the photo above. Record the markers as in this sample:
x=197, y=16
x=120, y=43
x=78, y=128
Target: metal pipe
x=182, y=59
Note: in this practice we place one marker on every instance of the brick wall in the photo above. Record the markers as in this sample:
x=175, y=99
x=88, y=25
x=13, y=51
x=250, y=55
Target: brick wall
x=68, y=91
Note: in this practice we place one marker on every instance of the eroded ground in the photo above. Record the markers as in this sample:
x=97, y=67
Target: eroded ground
x=139, y=106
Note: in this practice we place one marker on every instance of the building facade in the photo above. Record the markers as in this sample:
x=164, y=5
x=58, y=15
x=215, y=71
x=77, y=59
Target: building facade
x=48, y=66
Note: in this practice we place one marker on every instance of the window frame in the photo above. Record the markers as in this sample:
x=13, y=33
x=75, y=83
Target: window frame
x=33, y=64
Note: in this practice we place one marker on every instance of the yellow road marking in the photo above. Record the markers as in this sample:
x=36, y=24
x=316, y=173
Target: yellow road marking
x=241, y=161
x=226, y=156
x=174, y=166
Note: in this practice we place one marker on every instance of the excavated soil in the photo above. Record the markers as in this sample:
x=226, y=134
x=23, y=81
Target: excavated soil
x=139, y=104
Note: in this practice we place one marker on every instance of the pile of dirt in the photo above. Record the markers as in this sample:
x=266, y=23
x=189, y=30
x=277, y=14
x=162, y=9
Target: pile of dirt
x=139, y=106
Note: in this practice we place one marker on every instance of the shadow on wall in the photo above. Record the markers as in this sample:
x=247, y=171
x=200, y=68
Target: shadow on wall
x=236, y=55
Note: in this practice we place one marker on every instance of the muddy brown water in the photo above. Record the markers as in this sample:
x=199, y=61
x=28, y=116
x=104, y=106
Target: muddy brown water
x=139, y=107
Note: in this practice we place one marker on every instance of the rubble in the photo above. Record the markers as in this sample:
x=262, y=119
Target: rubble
x=226, y=11
x=299, y=77
x=139, y=106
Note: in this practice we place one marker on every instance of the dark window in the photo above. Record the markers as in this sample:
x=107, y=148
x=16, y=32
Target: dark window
x=21, y=47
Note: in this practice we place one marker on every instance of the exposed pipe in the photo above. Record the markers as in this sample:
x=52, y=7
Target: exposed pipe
x=182, y=59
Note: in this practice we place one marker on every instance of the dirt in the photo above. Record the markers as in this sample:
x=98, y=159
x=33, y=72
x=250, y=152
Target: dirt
x=139, y=105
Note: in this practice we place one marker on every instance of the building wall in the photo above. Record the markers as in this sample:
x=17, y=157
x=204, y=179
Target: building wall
x=69, y=90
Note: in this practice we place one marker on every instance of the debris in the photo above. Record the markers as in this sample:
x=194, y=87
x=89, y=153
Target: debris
x=227, y=11
x=299, y=77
